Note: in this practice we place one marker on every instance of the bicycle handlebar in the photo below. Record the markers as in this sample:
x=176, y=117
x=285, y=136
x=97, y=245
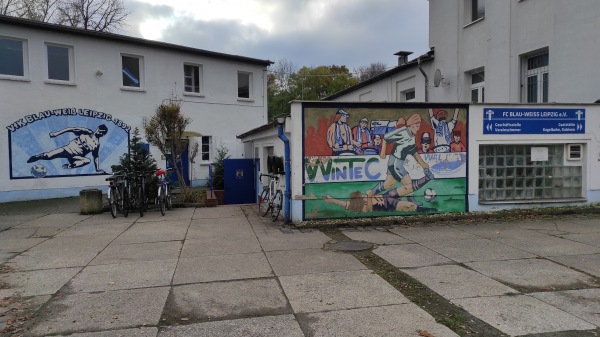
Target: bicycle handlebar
x=269, y=175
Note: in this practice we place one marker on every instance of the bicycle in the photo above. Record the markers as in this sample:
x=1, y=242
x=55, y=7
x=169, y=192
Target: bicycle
x=163, y=198
x=271, y=198
x=117, y=194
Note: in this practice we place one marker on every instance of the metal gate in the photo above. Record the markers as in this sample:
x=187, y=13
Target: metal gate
x=184, y=165
x=240, y=181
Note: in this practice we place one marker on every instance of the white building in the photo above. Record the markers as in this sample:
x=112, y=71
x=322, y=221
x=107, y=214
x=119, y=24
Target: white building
x=513, y=51
x=53, y=78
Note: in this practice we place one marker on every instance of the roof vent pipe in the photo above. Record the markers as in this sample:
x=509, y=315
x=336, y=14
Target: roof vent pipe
x=403, y=57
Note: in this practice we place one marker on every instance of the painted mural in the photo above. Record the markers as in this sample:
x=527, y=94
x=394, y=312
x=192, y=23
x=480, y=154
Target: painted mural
x=366, y=162
x=65, y=142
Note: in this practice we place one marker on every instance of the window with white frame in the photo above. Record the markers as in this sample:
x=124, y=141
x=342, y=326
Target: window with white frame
x=478, y=87
x=477, y=9
x=205, y=148
x=60, y=62
x=132, y=68
x=511, y=173
x=536, y=78
x=409, y=95
x=244, y=84
x=13, y=58
x=192, y=78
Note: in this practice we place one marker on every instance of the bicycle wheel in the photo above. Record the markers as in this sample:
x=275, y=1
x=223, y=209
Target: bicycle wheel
x=161, y=200
x=141, y=200
x=277, y=205
x=125, y=203
x=264, y=203
x=168, y=199
x=112, y=202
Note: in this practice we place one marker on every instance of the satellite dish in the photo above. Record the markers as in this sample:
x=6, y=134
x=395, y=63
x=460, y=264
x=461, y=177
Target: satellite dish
x=437, y=78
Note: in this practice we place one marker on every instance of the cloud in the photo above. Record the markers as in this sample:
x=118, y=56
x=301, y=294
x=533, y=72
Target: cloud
x=307, y=33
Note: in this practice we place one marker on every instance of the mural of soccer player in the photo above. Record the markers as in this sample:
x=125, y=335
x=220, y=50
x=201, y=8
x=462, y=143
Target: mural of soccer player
x=339, y=137
x=425, y=143
x=362, y=136
x=443, y=129
x=404, y=145
x=457, y=145
x=369, y=202
x=76, y=151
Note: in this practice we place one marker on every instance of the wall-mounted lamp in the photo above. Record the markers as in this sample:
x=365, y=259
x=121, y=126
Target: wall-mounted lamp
x=99, y=73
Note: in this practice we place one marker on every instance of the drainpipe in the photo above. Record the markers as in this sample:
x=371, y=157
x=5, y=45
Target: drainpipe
x=426, y=80
x=288, y=171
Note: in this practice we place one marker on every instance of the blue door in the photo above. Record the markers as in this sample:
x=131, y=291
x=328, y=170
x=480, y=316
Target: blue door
x=240, y=181
x=184, y=166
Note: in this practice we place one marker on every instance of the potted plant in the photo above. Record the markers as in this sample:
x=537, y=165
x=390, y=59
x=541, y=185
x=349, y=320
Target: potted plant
x=218, y=173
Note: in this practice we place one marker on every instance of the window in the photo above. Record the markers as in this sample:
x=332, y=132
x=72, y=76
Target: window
x=244, y=81
x=477, y=9
x=192, y=78
x=409, y=95
x=536, y=78
x=478, y=87
x=205, y=148
x=13, y=58
x=60, y=61
x=132, y=69
x=507, y=173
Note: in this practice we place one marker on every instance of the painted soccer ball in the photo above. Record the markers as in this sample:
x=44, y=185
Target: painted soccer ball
x=39, y=170
x=430, y=195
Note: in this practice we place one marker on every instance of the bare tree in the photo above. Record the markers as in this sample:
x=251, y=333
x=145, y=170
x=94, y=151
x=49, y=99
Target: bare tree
x=98, y=15
x=280, y=73
x=364, y=73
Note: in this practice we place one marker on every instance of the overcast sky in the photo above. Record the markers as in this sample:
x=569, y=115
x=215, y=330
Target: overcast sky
x=305, y=32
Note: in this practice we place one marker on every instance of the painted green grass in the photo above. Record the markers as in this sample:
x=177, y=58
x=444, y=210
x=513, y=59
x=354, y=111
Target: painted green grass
x=450, y=198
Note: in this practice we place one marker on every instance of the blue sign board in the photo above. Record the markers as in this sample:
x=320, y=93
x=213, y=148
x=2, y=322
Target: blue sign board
x=533, y=121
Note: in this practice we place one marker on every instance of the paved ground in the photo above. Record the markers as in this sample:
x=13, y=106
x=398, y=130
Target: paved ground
x=226, y=271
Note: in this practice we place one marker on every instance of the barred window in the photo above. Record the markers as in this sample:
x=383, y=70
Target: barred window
x=506, y=173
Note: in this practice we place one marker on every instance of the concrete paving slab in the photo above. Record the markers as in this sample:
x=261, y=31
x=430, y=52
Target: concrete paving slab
x=37, y=282
x=310, y=261
x=432, y=233
x=124, y=276
x=107, y=219
x=47, y=232
x=410, y=255
x=583, y=303
x=592, y=239
x=292, y=241
x=218, y=212
x=587, y=263
x=222, y=267
x=53, y=259
x=219, y=232
x=96, y=243
x=580, y=225
x=18, y=245
x=283, y=325
x=196, y=248
x=452, y=281
x=532, y=273
x=476, y=250
x=338, y=290
x=16, y=233
x=226, y=300
x=405, y=320
x=96, y=230
x=6, y=256
x=153, y=232
x=55, y=220
x=377, y=237
x=135, y=332
x=494, y=230
x=521, y=315
x=547, y=245
x=227, y=221
x=136, y=252
x=108, y=310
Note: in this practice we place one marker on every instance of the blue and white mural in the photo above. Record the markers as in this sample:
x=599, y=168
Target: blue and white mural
x=66, y=142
